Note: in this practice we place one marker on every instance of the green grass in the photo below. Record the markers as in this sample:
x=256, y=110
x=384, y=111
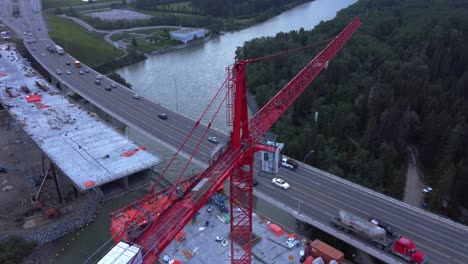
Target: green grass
x=49, y=4
x=119, y=36
x=86, y=46
x=162, y=42
x=148, y=31
x=156, y=14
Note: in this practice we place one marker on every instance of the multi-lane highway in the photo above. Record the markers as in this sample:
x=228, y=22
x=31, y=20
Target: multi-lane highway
x=312, y=193
x=320, y=196
x=140, y=114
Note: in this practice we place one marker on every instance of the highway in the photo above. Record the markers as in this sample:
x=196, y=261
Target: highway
x=140, y=114
x=321, y=194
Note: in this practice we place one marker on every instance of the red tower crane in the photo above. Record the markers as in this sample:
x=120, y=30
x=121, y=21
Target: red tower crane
x=155, y=221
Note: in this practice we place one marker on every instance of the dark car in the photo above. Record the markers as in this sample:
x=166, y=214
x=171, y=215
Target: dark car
x=108, y=88
x=98, y=82
x=162, y=116
x=387, y=227
x=67, y=63
x=254, y=182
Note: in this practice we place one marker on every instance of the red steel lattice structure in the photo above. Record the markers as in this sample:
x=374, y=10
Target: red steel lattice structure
x=236, y=162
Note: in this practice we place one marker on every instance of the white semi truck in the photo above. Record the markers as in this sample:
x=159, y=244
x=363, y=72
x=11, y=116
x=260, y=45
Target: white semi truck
x=59, y=50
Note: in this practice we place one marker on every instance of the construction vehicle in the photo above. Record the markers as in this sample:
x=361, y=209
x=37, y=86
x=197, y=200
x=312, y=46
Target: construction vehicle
x=154, y=221
x=399, y=245
x=319, y=249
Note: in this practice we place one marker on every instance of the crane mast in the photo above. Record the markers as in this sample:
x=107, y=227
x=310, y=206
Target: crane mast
x=235, y=163
x=246, y=137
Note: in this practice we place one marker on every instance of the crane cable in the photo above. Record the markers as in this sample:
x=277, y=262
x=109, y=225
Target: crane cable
x=288, y=51
x=188, y=137
x=158, y=180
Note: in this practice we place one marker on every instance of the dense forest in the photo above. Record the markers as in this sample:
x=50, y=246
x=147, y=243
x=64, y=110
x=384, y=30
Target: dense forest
x=222, y=8
x=401, y=82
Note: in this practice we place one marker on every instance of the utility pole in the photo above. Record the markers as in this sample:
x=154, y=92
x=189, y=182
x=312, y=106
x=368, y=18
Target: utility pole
x=176, y=99
x=310, y=152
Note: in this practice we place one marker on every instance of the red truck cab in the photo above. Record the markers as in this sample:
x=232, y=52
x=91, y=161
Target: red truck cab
x=406, y=249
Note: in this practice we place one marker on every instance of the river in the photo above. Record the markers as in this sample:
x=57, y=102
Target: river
x=191, y=76
x=186, y=80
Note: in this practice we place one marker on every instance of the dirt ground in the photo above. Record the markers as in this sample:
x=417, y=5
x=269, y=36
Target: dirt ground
x=20, y=156
x=17, y=153
x=414, y=185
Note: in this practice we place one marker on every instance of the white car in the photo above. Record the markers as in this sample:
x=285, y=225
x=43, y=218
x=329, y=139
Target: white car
x=288, y=163
x=213, y=140
x=427, y=190
x=280, y=183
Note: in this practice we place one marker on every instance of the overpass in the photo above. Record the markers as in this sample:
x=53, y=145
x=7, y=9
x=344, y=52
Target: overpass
x=314, y=197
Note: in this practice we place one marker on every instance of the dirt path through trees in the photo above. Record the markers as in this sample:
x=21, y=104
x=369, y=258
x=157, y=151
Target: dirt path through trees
x=414, y=185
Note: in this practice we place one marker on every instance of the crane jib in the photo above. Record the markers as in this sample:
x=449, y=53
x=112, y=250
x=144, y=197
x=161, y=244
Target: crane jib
x=267, y=116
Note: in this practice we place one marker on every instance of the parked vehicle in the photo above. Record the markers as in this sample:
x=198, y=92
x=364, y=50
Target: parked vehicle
x=400, y=245
x=59, y=50
x=289, y=163
x=280, y=183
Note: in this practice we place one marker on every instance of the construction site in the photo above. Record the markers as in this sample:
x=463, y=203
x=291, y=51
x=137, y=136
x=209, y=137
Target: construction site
x=58, y=160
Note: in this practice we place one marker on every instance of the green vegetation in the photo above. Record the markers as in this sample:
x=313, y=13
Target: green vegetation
x=118, y=78
x=49, y=4
x=176, y=12
x=14, y=249
x=150, y=39
x=401, y=80
x=119, y=36
x=88, y=47
x=132, y=57
x=219, y=8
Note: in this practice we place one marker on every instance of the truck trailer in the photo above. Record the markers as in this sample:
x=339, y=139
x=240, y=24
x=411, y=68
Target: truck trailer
x=398, y=244
x=59, y=50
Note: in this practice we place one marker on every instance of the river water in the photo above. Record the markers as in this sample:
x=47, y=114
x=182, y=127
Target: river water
x=191, y=76
x=186, y=80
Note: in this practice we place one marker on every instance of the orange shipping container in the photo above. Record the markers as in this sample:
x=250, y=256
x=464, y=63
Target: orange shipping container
x=276, y=230
x=327, y=252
